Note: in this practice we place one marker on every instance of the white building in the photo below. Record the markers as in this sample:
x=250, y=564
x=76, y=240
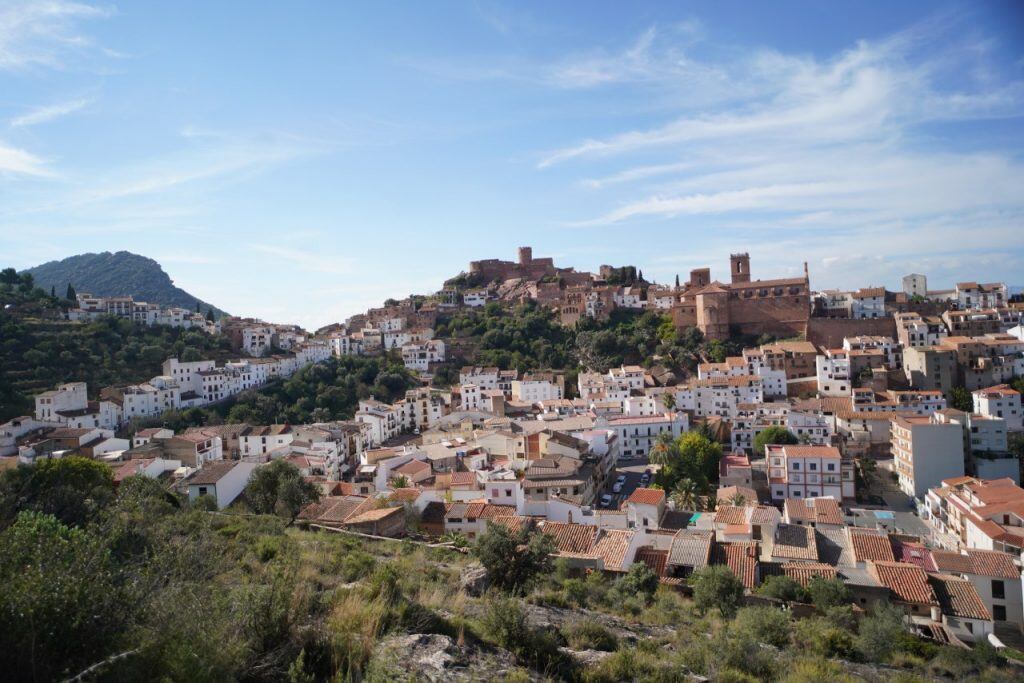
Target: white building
x=66, y=397
x=637, y=435
x=1000, y=401
x=833, y=373
x=868, y=303
x=224, y=480
x=419, y=357
x=925, y=451
x=808, y=472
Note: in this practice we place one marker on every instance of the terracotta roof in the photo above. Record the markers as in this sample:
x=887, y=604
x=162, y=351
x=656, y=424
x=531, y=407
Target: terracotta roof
x=646, y=497
x=870, y=546
x=794, y=542
x=730, y=514
x=803, y=572
x=571, y=538
x=764, y=514
x=815, y=510
x=406, y=495
x=741, y=558
x=611, y=547
x=729, y=493
x=373, y=515
x=793, y=451
x=656, y=559
x=951, y=561
x=691, y=548
x=957, y=597
x=907, y=582
x=993, y=563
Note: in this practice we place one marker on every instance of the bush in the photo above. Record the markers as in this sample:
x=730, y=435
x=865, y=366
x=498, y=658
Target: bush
x=506, y=625
x=639, y=581
x=763, y=624
x=816, y=670
x=511, y=566
x=355, y=565
x=822, y=637
x=590, y=635
x=782, y=588
x=881, y=633
x=825, y=593
x=716, y=587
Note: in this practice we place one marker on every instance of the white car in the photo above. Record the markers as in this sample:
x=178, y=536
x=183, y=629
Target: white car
x=606, y=500
x=617, y=487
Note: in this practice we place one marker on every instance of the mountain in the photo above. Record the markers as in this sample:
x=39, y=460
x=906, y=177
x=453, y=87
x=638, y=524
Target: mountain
x=119, y=274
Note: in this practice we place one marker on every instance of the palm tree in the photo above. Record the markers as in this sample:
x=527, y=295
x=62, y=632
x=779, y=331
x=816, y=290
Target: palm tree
x=663, y=450
x=685, y=494
x=738, y=500
x=400, y=482
x=710, y=502
x=668, y=399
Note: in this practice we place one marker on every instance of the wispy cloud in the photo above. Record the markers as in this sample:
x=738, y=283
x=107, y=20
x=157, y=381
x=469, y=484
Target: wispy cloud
x=18, y=162
x=46, y=33
x=49, y=113
x=315, y=261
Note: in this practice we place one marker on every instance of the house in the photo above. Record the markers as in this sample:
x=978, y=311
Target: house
x=796, y=471
x=645, y=508
x=962, y=610
x=908, y=586
x=813, y=512
x=995, y=576
x=868, y=302
x=1000, y=401
x=926, y=450
x=224, y=481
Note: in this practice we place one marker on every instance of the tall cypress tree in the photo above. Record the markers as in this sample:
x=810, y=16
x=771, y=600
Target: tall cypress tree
x=71, y=294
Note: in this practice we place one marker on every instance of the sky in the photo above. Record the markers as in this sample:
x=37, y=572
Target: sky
x=303, y=161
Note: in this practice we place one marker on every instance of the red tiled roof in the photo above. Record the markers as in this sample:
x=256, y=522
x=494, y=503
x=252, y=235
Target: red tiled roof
x=871, y=546
x=794, y=542
x=811, y=451
x=993, y=563
x=803, y=572
x=646, y=497
x=957, y=597
x=741, y=558
x=816, y=510
x=571, y=538
x=907, y=582
x=656, y=559
x=951, y=561
x=611, y=547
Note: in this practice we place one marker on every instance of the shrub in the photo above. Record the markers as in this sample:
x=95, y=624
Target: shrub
x=825, y=593
x=356, y=564
x=820, y=636
x=640, y=581
x=816, y=670
x=880, y=633
x=763, y=624
x=716, y=587
x=590, y=635
x=782, y=588
x=511, y=566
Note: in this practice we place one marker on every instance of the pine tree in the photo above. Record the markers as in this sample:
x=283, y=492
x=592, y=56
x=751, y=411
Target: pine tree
x=71, y=294
x=677, y=280
x=209, y=314
x=198, y=309
x=53, y=291
x=640, y=276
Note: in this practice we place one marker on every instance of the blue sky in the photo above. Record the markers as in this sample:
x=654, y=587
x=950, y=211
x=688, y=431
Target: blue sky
x=303, y=161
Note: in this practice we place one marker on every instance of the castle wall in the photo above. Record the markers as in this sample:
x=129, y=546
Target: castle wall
x=829, y=332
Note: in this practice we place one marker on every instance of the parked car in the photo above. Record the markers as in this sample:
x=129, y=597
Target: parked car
x=617, y=487
x=606, y=500
x=644, y=481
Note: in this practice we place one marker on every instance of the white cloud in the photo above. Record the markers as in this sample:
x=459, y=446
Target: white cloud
x=37, y=33
x=18, y=162
x=49, y=113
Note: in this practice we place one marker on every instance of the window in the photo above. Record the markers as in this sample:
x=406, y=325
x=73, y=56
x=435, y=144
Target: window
x=999, y=612
x=998, y=589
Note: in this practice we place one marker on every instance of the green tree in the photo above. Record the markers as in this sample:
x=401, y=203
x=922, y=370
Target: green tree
x=72, y=489
x=9, y=276
x=61, y=607
x=716, y=587
x=684, y=495
x=279, y=488
x=782, y=588
x=881, y=633
x=961, y=399
x=513, y=562
x=71, y=294
x=773, y=435
x=826, y=593
x=639, y=581
x=692, y=456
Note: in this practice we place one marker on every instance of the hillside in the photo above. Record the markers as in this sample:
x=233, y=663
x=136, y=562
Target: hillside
x=116, y=274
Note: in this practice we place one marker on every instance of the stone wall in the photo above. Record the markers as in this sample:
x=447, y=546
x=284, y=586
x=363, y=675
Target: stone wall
x=829, y=333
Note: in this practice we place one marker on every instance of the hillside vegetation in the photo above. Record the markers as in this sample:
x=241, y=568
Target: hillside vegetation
x=116, y=274
x=134, y=583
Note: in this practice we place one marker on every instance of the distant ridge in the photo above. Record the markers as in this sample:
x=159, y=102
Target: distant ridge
x=116, y=274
